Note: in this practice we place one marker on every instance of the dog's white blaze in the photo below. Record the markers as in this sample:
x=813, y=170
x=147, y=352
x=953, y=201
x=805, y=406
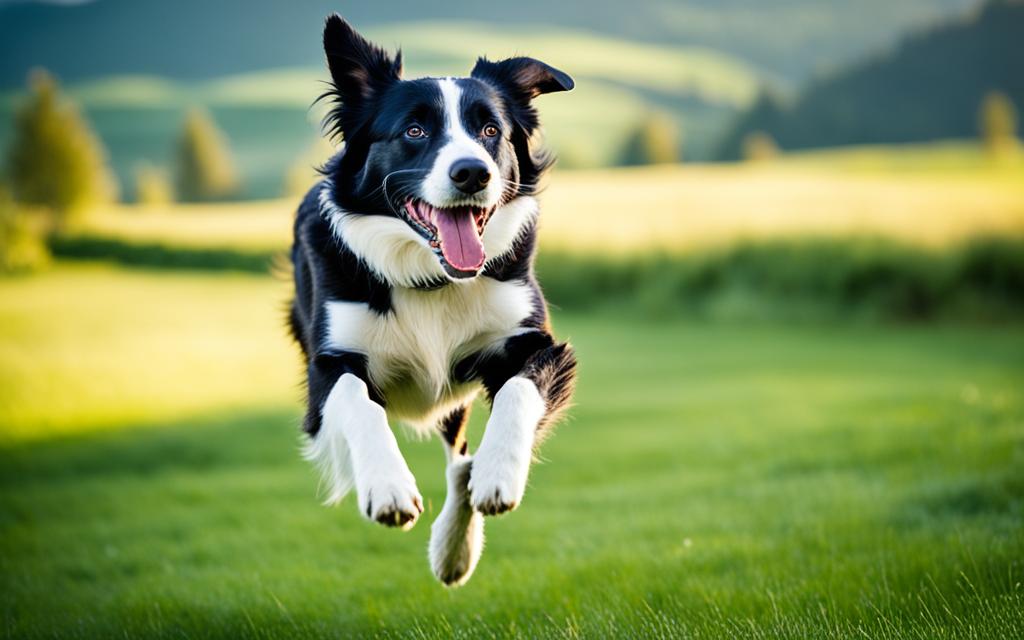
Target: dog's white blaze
x=356, y=447
x=457, y=535
x=400, y=256
x=438, y=188
x=502, y=463
x=411, y=349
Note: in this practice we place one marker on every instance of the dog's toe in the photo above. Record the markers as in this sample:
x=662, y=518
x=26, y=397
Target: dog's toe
x=396, y=518
x=495, y=504
x=493, y=496
x=393, y=504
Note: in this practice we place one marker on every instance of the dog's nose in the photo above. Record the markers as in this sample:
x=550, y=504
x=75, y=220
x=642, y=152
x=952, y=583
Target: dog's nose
x=469, y=175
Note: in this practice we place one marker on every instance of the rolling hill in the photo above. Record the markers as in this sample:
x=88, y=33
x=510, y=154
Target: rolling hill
x=930, y=87
x=191, y=39
x=267, y=117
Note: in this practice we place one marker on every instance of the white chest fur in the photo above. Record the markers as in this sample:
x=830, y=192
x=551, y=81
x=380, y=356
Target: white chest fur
x=412, y=348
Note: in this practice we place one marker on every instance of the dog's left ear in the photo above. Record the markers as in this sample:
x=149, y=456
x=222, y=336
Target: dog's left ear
x=523, y=78
x=360, y=71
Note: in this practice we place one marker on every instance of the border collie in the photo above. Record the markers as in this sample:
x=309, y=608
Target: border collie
x=414, y=288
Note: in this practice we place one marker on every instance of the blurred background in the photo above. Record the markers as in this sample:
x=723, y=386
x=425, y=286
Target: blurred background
x=786, y=237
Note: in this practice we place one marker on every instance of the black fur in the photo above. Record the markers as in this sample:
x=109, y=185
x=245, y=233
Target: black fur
x=453, y=429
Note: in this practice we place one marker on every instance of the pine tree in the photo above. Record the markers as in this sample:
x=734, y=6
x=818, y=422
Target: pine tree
x=759, y=146
x=55, y=160
x=304, y=172
x=152, y=186
x=998, y=123
x=654, y=140
x=21, y=237
x=206, y=170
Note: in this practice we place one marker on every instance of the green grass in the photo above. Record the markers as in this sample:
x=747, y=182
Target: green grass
x=679, y=207
x=744, y=480
x=93, y=347
x=858, y=278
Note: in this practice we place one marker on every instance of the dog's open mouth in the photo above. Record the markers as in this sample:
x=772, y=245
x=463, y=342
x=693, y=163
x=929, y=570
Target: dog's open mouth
x=455, y=234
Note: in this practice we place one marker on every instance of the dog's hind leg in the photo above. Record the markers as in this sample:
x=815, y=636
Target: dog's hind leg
x=457, y=535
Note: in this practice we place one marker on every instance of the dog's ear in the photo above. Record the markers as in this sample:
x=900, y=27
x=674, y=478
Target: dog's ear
x=359, y=69
x=522, y=78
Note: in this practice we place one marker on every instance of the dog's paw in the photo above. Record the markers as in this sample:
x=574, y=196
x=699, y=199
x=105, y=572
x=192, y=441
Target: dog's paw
x=392, y=501
x=457, y=535
x=497, y=481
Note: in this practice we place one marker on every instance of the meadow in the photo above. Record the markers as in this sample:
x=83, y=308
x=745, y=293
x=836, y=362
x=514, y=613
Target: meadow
x=855, y=191
x=729, y=474
x=714, y=479
x=916, y=232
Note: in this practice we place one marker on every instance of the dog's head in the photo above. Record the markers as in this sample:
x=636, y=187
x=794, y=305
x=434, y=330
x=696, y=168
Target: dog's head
x=441, y=155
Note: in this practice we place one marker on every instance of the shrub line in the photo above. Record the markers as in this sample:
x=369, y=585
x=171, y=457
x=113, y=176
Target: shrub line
x=813, y=278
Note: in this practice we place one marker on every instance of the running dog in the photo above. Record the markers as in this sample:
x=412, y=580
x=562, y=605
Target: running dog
x=415, y=289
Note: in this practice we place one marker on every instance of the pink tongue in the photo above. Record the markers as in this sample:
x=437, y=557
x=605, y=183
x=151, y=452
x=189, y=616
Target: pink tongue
x=460, y=243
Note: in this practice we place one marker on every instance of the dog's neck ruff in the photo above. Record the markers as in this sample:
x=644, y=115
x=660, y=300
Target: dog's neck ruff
x=401, y=257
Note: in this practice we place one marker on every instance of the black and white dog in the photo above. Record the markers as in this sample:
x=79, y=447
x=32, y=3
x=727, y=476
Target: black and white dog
x=414, y=288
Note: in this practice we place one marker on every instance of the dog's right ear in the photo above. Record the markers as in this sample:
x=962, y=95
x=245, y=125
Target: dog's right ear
x=359, y=69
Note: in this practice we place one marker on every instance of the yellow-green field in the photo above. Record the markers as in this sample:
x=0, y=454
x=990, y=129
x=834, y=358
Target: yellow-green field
x=88, y=347
x=737, y=480
x=798, y=479
x=922, y=195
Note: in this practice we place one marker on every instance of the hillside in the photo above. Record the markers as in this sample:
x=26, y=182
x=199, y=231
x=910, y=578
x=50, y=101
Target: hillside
x=928, y=88
x=267, y=118
x=192, y=39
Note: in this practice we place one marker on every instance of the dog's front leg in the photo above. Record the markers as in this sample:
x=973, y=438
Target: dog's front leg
x=355, y=435
x=523, y=408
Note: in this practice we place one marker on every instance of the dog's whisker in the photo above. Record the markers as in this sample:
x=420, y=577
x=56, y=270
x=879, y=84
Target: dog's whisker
x=384, y=183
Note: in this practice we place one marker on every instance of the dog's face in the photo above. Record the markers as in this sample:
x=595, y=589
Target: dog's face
x=440, y=154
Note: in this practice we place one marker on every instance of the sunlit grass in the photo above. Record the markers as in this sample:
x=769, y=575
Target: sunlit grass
x=671, y=208
x=931, y=202
x=91, y=347
x=253, y=226
x=744, y=480
x=947, y=158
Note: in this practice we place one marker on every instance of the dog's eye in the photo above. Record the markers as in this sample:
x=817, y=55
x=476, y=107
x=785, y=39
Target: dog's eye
x=490, y=130
x=415, y=131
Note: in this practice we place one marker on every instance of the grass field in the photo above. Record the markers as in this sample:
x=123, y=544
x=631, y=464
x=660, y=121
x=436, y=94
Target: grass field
x=744, y=480
x=921, y=194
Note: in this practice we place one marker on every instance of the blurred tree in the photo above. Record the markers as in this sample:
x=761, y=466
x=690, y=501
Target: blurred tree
x=758, y=146
x=303, y=173
x=654, y=140
x=206, y=170
x=764, y=116
x=55, y=160
x=997, y=120
x=926, y=88
x=21, y=237
x=573, y=153
x=152, y=185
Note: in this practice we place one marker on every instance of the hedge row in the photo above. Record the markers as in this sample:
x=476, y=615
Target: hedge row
x=859, y=277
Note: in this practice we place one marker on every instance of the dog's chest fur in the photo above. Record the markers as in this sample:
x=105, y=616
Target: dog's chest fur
x=412, y=348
